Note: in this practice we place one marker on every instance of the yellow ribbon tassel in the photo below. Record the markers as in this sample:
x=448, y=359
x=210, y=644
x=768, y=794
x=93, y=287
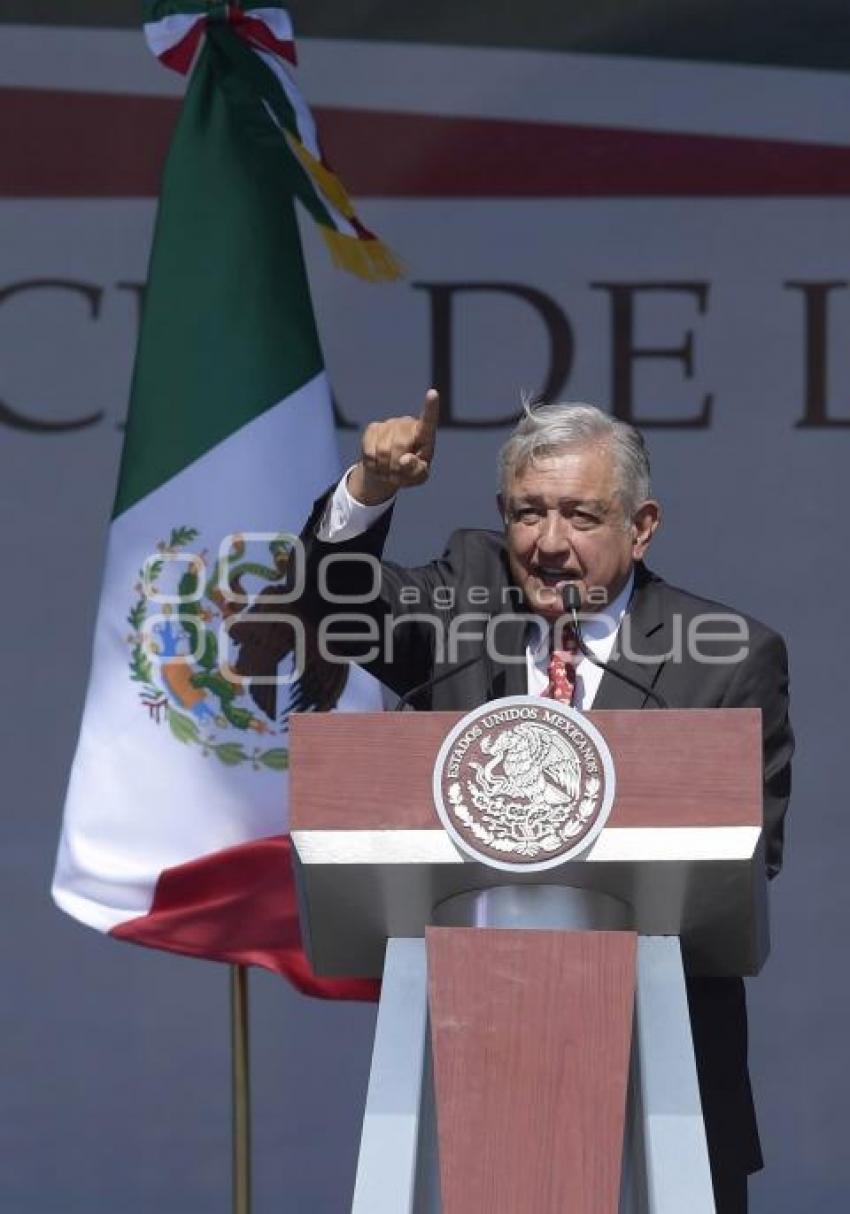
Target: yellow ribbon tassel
x=370, y=259
x=367, y=258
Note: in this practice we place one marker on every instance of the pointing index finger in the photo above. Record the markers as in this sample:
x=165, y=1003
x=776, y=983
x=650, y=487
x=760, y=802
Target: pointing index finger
x=429, y=418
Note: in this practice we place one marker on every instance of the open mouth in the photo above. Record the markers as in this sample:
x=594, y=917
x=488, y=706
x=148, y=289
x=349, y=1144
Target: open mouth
x=552, y=577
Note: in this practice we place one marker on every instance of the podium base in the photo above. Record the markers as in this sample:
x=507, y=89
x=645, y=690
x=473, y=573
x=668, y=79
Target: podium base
x=665, y=1160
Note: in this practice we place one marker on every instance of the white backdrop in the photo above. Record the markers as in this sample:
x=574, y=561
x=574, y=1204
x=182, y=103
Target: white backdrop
x=115, y=1067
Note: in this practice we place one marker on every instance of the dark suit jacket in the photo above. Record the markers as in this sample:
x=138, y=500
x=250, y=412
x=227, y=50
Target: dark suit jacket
x=472, y=580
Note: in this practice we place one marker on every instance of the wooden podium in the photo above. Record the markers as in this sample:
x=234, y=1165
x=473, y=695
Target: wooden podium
x=532, y=1070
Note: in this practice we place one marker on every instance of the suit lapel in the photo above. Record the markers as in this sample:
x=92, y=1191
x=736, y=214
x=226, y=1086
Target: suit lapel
x=509, y=678
x=643, y=644
x=507, y=673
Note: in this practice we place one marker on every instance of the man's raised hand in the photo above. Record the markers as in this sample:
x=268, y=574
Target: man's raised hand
x=396, y=454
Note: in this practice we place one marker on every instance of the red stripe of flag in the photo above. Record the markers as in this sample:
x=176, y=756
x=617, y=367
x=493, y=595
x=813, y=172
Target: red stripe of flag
x=238, y=906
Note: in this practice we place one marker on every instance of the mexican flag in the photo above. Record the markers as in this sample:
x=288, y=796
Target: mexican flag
x=175, y=823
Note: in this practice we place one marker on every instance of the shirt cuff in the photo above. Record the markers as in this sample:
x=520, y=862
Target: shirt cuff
x=345, y=518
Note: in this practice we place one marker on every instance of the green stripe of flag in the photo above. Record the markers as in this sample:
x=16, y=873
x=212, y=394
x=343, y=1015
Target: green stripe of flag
x=226, y=271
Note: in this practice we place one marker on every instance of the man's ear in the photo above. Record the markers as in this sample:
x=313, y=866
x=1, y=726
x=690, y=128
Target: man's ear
x=646, y=521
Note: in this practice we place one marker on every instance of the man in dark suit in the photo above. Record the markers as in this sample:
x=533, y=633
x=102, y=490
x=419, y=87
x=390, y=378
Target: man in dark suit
x=576, y=503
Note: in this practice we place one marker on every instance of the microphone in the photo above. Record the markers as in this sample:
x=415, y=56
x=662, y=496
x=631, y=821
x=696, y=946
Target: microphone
x=408, y=696
x=571, y=599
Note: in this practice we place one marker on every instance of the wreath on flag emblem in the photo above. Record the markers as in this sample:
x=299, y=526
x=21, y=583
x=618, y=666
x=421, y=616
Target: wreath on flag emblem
x=174, y=652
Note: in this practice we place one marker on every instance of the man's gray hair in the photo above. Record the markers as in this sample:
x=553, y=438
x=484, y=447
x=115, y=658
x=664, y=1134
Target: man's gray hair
x=546, y=430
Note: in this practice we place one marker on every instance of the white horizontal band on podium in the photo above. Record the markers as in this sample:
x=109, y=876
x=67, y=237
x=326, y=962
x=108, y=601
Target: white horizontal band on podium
x=614, y=845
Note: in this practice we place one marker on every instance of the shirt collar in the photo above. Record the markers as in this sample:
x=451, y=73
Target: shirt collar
x=601, y=625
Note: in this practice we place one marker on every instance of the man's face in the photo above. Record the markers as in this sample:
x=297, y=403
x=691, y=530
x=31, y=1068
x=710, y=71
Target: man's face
x=565, y=522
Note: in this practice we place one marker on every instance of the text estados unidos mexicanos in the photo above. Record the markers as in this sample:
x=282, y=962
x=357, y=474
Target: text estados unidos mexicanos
x=522, y=713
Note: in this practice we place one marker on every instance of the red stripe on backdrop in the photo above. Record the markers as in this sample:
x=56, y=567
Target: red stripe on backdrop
x=96, y=145
x=82, y=145
x=238, y=906
x=483, y=158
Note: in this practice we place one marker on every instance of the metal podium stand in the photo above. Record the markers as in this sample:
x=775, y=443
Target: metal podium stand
x=678, y=869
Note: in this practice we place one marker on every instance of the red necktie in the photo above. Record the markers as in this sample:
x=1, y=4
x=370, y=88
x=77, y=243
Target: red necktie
x=562, y=671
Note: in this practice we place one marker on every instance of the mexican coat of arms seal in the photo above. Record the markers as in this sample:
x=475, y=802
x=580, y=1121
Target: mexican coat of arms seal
x=524, y=782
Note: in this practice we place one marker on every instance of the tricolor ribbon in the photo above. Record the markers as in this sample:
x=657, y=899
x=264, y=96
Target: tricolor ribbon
x=175, y=30
x=257, y=43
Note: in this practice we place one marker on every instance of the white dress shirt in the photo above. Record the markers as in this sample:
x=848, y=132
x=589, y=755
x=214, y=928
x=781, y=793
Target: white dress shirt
x=345, y=518
x=599, y=631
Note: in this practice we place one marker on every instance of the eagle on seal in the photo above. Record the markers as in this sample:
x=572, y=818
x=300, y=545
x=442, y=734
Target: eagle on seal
x=538, y=764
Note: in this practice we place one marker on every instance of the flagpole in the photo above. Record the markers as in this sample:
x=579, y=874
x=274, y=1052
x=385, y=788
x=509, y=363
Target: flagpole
x=240, y=1064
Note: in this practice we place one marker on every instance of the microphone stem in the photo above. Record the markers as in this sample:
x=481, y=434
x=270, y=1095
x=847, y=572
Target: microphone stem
x=591, y=657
